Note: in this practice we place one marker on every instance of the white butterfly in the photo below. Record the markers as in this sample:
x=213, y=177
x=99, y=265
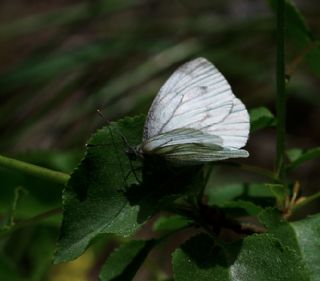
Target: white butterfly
x=195, y=118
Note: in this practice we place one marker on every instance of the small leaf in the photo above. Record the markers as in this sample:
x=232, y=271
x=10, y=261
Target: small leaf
x=260, y=118
x=241, y=208
x=257, y=257
x=280, y=191
x=294, y=154
x=171, y=223
x=125, y=261
x=302, y=236
x=298, y=156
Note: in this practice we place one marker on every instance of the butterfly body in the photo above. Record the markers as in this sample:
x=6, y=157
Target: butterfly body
x=195, y=118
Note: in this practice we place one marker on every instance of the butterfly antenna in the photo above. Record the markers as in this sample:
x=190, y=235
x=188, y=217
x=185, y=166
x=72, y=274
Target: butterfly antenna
x=125, y=141
x=113, y=141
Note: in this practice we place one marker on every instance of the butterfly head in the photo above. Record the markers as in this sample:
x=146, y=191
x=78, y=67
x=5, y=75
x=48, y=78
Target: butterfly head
x=133, y=152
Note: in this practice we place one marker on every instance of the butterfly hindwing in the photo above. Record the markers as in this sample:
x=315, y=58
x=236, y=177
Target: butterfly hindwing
x=196, y=153
x=160, y=144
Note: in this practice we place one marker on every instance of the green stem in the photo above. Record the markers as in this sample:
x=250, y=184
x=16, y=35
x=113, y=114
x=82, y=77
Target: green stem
x=281, y=91
x=254, y=169
x=34, y=220
x=306, y=201
x=258, y=170
x=33, y=170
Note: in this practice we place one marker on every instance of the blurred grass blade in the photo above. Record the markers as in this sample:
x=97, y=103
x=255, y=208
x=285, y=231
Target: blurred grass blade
x=61, y=17
x=134, y=77
x=39, y=69
x=149, y=68
x=298, y=156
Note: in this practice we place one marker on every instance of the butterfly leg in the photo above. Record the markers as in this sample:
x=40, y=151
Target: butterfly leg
x=133, y=171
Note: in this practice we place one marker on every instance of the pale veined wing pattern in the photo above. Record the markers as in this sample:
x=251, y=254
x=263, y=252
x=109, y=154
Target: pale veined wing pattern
x=195, y=118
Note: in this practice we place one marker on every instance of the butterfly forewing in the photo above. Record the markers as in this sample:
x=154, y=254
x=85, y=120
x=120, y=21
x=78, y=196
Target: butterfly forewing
x=196, y=84
x=234, y=129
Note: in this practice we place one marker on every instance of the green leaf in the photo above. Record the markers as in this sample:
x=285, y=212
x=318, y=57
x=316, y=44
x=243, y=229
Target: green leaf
x=171, y=223
x=106, y=193
x=257, y=257
x=300, y=35
x=8, y=270
x=294, y=154
x=260, y=118
x=94, y=200
x=124, y=262
x=302, y=236
x=240, y=208
x=280, y=191
x=299, y=156
x=297, y=30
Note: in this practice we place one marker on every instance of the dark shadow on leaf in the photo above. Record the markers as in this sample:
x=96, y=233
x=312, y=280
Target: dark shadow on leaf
x=206, y=254
x=161, y=185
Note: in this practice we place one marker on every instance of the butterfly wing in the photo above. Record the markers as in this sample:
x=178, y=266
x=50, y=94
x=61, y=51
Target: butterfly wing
x=189, y=146
x=197, y=96
x=162, y=143
x=194, y=153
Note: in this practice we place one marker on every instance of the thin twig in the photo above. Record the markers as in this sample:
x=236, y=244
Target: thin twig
x=281, y=91
x=33, y=220
x=305, y=201
x=251, y=168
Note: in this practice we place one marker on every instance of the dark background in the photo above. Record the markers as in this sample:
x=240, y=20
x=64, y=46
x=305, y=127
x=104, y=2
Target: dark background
x=63, y=60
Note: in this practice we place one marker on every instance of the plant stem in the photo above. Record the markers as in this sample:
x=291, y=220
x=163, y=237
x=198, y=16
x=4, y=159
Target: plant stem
x=34, y=170
x=251, y=168
x=258, y=170
x=306, y=201
x=31, y=221
x=281, y=91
